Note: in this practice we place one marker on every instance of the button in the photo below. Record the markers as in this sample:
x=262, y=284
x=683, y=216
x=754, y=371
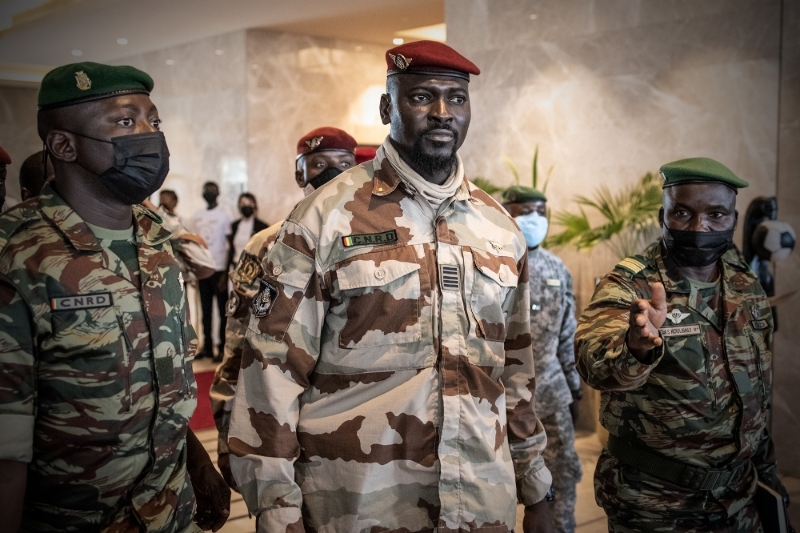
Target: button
x=503, y=277
x=276, y=271
x=380, y=273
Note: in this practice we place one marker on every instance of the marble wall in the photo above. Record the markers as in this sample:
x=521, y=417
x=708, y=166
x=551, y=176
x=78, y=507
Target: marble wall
x=612, y=89
x=18, y=134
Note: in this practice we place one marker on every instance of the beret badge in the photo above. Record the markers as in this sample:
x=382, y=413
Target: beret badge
x=314, y=142
x=401, y=61
x=83, y=81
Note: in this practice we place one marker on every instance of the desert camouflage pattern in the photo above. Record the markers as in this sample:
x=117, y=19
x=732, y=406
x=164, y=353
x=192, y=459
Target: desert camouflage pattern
x=246, y=281
x=387, y=378
x=703, y=401
x=95, y=395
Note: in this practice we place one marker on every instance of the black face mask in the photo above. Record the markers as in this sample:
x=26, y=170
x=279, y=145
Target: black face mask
x=247, y=211
x=697, y=248
x=141, y=164
x=324, y=177
x=210, y=197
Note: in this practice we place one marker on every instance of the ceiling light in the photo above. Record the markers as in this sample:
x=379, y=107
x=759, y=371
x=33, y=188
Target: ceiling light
x=435, y=32
x=398, y=40
x=77, y=53
x=534, y=16
x=169, y=62
x=219, y=52
x=122, y=40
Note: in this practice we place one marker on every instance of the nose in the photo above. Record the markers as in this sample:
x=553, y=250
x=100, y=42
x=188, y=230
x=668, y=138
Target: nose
x=440, y=111
x=698, y=224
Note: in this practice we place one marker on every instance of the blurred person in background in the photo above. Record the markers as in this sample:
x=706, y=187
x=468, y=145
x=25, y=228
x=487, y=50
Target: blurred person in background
x=33, y=174
x=244, y=228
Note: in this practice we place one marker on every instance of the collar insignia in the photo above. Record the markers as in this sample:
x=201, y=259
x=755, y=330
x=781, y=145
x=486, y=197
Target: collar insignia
x=402, y=62
x=314, y=142
x=83, y=81
x=181, y=280
x=676, y=316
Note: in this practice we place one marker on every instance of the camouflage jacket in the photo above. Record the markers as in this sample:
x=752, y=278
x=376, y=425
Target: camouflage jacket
x=553, y=326
x=387, y=376
x=96, y=384
x=704, y=399
x=245, y=280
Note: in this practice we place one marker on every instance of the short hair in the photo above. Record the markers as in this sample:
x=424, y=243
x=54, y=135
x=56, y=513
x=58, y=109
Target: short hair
x=169, y=192
x=211, y=183
x=249, y=196
x=32, y=173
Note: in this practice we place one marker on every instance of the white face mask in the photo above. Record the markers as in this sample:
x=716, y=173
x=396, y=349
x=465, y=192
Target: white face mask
x=534, y=228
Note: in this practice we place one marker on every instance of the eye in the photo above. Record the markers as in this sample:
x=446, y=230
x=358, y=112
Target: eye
x=125, y=122
x=321, y=164
x=458, y=100
x=420, y=97
x=156, y=123
x=344, y=164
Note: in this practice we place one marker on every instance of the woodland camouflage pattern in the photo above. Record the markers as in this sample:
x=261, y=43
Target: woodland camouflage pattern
x=370, y=399
x=111, y=390
x=246, y=282
x=704, y=400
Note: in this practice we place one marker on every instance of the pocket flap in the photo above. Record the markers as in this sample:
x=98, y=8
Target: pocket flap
x=500, y=268
x=367, y=273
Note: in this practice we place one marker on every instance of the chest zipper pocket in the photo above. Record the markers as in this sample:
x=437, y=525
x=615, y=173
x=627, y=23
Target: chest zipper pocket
x=709, y=380
x=127, y=348
x=763, y=387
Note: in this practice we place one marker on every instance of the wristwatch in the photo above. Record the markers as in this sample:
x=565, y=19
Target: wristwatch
x=551, y=494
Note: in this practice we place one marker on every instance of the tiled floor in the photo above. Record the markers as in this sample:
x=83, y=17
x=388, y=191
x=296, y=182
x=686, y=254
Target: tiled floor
x=589, y=517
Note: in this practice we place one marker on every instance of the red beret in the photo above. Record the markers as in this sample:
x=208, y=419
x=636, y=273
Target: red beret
x=429, y=57
x=4, y=157
x=365, y=153
x=325, y=138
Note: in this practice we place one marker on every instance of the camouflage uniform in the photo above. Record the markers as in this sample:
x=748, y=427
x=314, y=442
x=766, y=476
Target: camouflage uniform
x=702, y=401
x=387, y=376
x=96, y=387
x=557, y=380
x=245, y=280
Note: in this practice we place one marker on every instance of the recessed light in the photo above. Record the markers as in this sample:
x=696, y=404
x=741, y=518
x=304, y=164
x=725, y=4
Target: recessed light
x=77, y=53
x=398, y=40
x=219, y=52
x=122, y=40
x=169, y=62
x=534, y=16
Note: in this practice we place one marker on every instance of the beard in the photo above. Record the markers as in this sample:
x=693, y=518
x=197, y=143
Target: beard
x=434, y=164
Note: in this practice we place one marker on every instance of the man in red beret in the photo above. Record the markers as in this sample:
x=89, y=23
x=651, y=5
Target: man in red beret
x=5, y=160
x=387, y=375
x=322, y=154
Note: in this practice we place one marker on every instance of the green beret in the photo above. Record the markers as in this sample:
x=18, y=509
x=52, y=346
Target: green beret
x=699, y=170
x=518, y=194
x=82, y=82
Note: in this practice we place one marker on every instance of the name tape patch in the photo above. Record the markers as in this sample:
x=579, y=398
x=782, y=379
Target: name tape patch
x=679, y=331
x=370, y=239
x=81, y=301
x=553, y=282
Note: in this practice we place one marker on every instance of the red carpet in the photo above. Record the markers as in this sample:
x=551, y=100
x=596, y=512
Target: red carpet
x=202, y=417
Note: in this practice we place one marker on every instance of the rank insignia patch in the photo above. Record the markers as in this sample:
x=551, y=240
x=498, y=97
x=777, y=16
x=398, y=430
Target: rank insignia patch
x=401, y=61
x=676, y=316
x=264, y=300
x=248, y=269
x=370, y=239
x=314, y=142
x=83, y=81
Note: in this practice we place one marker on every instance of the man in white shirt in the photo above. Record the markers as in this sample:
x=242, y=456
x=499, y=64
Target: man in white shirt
x=213, y=224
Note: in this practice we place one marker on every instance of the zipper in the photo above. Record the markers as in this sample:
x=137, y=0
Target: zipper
x=760, y=373
x=126, y=351
x=709, y=384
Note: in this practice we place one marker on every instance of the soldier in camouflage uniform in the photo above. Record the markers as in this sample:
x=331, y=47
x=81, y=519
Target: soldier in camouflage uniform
x=558, y=386
x=96, y=383
x=678, y=340
x=322, y=154
x=387, y=379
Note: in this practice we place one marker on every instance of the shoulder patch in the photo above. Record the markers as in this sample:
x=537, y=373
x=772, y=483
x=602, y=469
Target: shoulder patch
x=632, y=265
x=248, y=268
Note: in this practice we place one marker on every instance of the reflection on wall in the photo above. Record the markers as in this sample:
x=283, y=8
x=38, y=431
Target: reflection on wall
x=297, y=83
x=18, y=134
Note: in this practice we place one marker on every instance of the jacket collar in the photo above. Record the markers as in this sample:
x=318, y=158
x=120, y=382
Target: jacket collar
x=386, y=179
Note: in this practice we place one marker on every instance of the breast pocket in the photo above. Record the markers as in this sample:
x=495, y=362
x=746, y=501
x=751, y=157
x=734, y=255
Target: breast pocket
x=379, y=296
x=494, y=276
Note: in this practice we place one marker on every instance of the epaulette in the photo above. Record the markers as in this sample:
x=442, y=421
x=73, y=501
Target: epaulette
x=149, y=213
x=633, y=264
x=16, y=218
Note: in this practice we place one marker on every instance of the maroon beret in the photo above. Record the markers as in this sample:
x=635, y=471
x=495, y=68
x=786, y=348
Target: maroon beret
x=429, y=57
x=325, y=138
x=4, y=157
x=365, y=153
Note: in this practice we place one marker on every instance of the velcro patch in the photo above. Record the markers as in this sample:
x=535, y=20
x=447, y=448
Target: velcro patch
x=165, y=371
x=553, y=282
x=759, y=324
x=742, y=382
x=370, y=239
x=631, y=265
x=81, y=301
x=264, y=300
x=680, y=331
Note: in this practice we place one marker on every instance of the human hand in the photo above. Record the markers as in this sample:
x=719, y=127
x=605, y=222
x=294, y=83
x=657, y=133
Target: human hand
x=574, y=411
x=213, y=497
x=193, y=237
x=538, y=518
x=224, y=464
x=646, y=317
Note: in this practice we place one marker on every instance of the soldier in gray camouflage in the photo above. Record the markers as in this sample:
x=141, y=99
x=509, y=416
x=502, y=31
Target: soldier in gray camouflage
x=558, y=385
x=678, y=340
x=96, y=383
x=322, y=154
x=387, y=378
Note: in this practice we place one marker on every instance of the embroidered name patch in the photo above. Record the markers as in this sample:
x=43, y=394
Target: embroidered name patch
x=264, y=300
x=759, y=324
x=553, y=282
x=680, y=331
x=370, y=239
x=81, y=301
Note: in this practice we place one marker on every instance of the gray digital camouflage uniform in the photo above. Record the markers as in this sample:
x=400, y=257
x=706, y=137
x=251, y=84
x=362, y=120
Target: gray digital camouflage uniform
x=387, y=376
x=702, y=402
x=96, y=384
x=553, y=336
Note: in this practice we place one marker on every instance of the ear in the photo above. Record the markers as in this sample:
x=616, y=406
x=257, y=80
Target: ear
x=735, y=219
x=385, y=108
x=299, y=177
x=61, y=146
x=661, y=217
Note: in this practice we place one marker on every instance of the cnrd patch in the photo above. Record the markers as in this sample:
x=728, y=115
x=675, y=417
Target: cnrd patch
x=370, y=239
x=81, y=301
